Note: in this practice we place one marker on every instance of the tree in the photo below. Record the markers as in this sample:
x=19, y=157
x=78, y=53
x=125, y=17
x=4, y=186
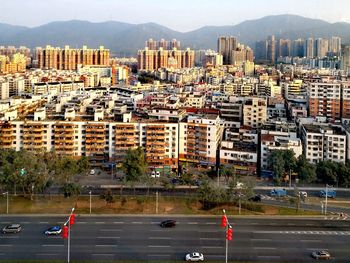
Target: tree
x=70, y=189
x=211, y=194
x=327, y=172
x=277, y=164
x=282, y=162
x=306, y=171
x=229, y=172
x=83, y=165
x=134, y=165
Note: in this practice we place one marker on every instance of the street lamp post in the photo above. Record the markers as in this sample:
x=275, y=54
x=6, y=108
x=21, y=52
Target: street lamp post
x=90, y=201
x=7, y=201
x=325, y=207
x=228, y=231
x=69, y=222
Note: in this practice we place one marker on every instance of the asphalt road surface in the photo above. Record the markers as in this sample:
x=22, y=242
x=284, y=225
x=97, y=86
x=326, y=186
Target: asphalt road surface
x=106, y=238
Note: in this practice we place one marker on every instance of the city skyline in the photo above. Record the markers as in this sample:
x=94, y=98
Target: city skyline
x=175, y=17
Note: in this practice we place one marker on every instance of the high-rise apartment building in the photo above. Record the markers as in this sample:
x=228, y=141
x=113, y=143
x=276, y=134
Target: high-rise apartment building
x=225, y=47
x=324, y=143
x=255, y=112
x=261, y=50
x=271, y=49
x=345, y=60
x=335, y=45
x=324, y=99
x=309, y=48
x=150, y=60
x=69, y=59
x=321, y=47
x=167, y=45
x=284, y=48
x=298, y=48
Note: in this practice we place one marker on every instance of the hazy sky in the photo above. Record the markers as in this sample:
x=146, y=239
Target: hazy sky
x=181, y=15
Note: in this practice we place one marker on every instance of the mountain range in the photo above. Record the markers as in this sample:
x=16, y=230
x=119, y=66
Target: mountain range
x=126, y=39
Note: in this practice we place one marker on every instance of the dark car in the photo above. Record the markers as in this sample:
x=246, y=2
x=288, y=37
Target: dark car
x=168, y=223
x=14, y=228
x=256, y=198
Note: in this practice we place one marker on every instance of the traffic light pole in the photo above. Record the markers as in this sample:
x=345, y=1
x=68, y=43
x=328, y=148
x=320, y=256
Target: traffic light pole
x=68, y=224
x=226, y=246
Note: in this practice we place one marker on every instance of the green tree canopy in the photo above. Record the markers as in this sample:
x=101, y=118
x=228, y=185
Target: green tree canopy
x=135, y=165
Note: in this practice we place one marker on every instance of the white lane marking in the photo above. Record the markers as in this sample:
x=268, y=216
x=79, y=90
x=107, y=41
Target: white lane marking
x=269, y=257
x=24, y=223
x=5, y=245
x=111, y=230
x=158, y=255
x=266, y=248
x=210, y=238
x=159, y=238
x=273, y=224
x=156, y=230
x=118, y=222
x=192, y=223
x=46, y=254
x=81, y=222
x=5, y=222
x=99, y=223
x=136, y=223
x=52, y=245
x=210, y=231
x=102, y=255
x=214, y=256
x=261, y=239
x=10, y=237
x=108, y=237
x=211, y=247
x=154, y=246
x=311, y=240
x=155, y=223
x=254, y=224
x=43, y=222
x=210, y=223
x=313, y=249
x=106, y=245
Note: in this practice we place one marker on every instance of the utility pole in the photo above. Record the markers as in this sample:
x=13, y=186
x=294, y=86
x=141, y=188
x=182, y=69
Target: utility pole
x=325, y=207
x=90, y=201
x=157, y=202
x=290, y=178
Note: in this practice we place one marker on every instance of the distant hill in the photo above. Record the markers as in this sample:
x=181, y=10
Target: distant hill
x=126, y=39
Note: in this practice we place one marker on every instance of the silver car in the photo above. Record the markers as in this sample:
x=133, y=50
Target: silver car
x=14, y=228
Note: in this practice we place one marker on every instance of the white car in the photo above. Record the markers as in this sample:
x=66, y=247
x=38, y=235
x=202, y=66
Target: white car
x=195, y=256
x=92, y=171
x=303, y=194
x=155, y=174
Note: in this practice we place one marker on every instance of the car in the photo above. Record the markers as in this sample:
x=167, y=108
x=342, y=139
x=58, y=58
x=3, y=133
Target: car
x=92, y=171
x=55, y=230
x=256, y=198
x=155, y=174
x=278, y=192
x=13, y=228
x=168, y=223
x=303, y=194
x=195, y=256
x=321, y=254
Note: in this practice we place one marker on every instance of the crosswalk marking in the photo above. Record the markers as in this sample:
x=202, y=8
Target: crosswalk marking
x=336, y=233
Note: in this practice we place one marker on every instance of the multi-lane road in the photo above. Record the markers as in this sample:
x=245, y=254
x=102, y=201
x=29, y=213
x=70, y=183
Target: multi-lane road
x=103, y=238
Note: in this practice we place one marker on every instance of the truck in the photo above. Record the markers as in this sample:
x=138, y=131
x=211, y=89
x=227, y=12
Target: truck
x=278, y=192
x=330, y=193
